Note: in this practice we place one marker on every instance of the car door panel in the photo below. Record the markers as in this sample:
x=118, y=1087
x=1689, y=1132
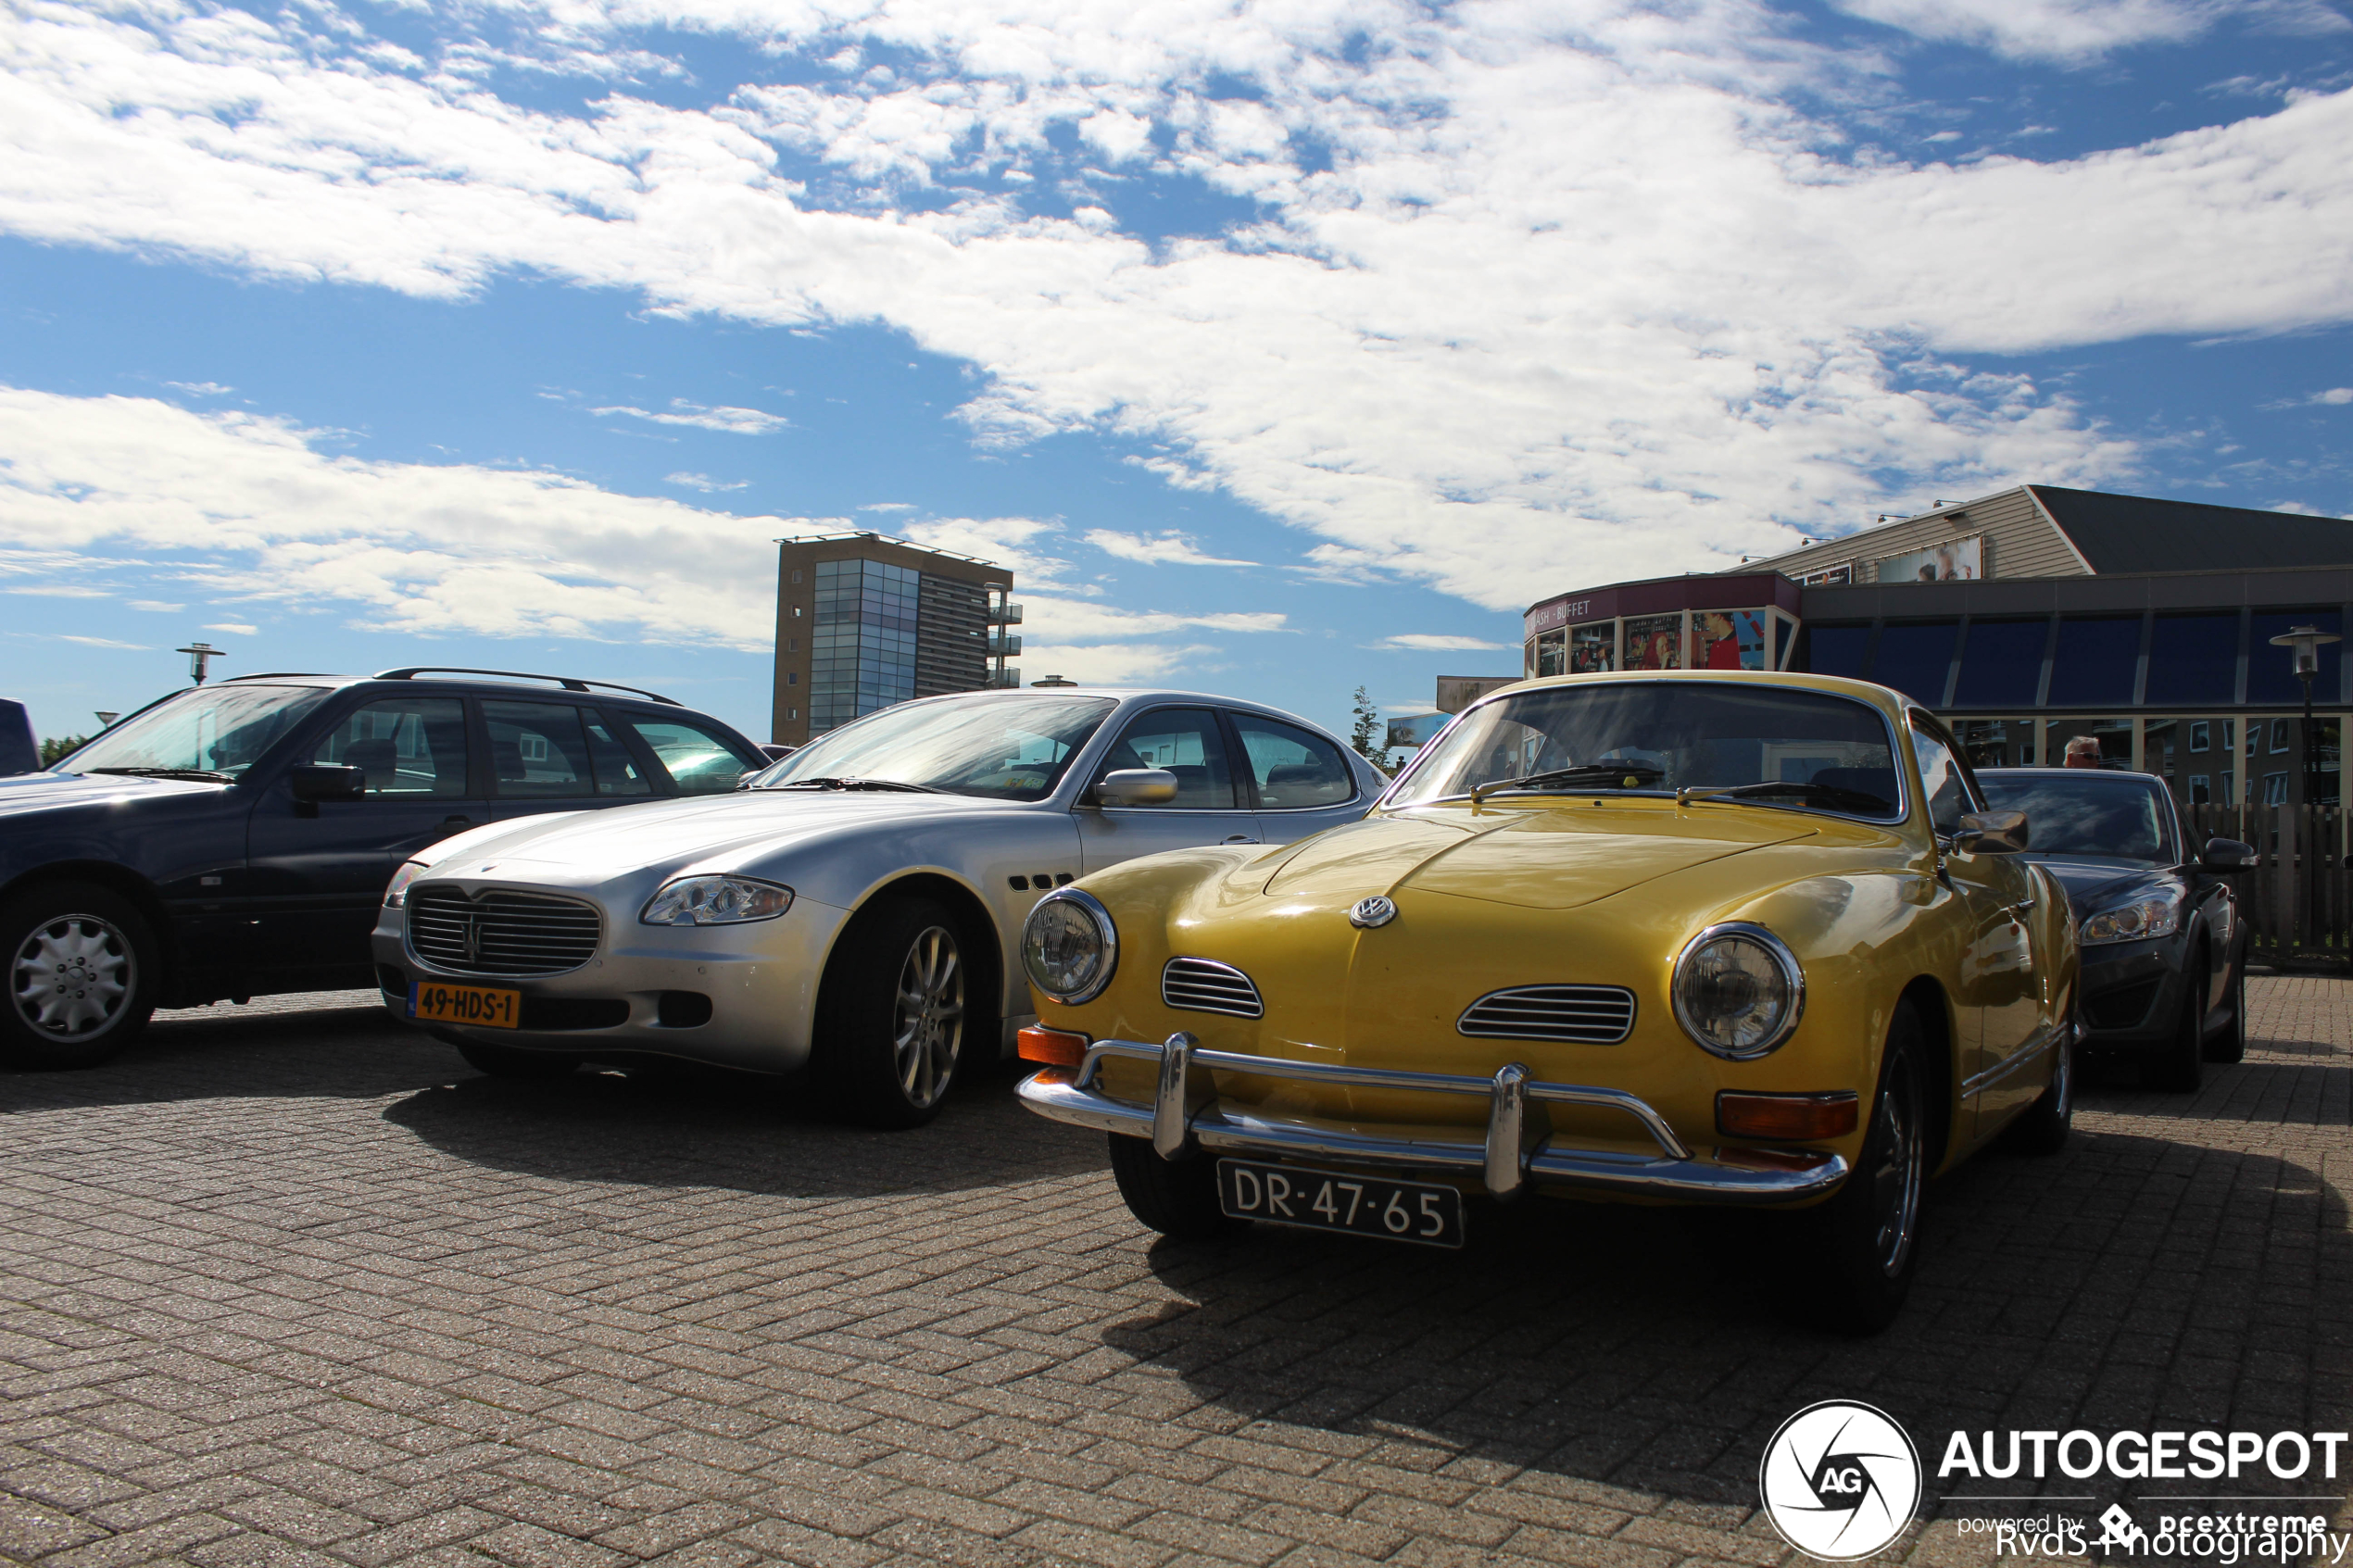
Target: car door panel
x=1190, y=743
x=317, y=870
x=1302, y=784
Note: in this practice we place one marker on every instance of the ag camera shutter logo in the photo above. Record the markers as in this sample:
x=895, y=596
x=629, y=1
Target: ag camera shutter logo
x=1840, y=1480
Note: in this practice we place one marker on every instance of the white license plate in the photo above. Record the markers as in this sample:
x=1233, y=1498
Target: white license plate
x=1327, y=1200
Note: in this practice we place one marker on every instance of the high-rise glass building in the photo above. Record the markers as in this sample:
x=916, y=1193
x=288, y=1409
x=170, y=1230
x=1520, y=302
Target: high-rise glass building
x=863, y=620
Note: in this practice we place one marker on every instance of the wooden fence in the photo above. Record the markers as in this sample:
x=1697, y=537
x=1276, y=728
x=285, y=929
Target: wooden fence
x=2297, y=900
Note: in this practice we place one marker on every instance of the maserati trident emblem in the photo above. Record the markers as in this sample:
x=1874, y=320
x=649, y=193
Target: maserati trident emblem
x=1369, y=912
x=473, y=937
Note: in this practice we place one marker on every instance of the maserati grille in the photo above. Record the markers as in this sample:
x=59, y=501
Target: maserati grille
x=500, y=932
x=1585, y=1015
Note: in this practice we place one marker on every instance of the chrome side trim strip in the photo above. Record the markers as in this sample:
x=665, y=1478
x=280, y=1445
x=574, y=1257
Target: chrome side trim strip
x=1186, y=1115
x=2016, y=1060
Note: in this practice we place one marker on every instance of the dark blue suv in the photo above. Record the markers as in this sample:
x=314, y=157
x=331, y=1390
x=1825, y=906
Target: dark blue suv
x=234, y=840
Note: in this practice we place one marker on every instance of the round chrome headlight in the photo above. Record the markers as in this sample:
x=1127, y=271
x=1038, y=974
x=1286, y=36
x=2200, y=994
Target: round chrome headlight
x=1069, y=947
x=1738, y=990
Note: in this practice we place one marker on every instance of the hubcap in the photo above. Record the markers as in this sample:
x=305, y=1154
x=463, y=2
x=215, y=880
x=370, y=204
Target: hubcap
x=1895, y=1182
x=73, y=976
x=928, y=1028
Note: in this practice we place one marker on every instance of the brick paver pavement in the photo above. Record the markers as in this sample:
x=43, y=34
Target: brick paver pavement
x=290, y=1285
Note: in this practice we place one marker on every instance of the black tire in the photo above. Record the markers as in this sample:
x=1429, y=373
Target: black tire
x=2228, y=1044
x=2179, y=1065
x=1864, y=1241
x=507, y=1061
x=2043, y=1130
x=82, y=972
x=894, y=1015
x=1177, y=1198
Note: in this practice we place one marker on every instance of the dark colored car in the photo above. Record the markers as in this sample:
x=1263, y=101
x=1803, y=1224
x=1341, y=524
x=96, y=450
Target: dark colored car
x=2164, y=950
x=234, y=840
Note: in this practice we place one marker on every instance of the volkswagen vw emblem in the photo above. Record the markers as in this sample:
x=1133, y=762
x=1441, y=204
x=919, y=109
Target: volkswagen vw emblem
x=1369, y=912
x=1840, y=1480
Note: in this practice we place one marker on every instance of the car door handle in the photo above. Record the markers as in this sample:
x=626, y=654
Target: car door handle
x=1241, y=838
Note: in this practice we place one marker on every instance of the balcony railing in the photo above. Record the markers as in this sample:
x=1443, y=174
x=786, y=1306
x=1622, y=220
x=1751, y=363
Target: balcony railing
x=1004, y=615
x=1003, y=645
x=1009, y=676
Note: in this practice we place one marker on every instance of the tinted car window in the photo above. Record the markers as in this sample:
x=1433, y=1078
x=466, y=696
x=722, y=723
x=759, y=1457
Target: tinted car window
x=699, y=761
x=538, y=750
x=217, y=728
x=1941, y=776
x=2081, y=813
x=1292, y=768
x=409, y=747
x=617, y=772
x=1003, y=748
x=1685, y=733
x=1183, y=741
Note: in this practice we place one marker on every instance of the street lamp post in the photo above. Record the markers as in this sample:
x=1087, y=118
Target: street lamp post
x=202, y=654
x=2305, y=643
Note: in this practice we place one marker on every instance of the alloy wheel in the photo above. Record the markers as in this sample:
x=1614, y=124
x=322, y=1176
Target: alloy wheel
x=927, y=1027
x=73, y=977
x=1895, y=1182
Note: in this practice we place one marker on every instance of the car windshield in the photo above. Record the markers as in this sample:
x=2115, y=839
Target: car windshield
x=2081, y=814
x=1008, y=748
x=210, y=729
x=1797, y=748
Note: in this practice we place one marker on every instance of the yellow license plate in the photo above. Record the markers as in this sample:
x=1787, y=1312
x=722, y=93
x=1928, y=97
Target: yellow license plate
x=478, y=1005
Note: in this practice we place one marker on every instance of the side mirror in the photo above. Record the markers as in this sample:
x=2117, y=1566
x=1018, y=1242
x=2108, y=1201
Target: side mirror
x=314, y=781
x=1991, y=833
x=1136, y=786
x=2227, y=855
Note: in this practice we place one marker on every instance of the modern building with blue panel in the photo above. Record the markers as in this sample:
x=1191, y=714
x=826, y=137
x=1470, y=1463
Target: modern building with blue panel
x=865, y=620
x=2027, y=617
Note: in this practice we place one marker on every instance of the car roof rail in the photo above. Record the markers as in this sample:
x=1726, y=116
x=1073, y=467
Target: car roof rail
x=282, y=675
x=568, y=683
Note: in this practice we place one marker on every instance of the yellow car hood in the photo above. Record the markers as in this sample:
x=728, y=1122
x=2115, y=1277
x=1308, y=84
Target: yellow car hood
x=1554, y=857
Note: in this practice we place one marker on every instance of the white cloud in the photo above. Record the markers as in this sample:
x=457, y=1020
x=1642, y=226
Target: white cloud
x=1166, y=548
x=734, y=421
x=2078, y=32
x=1698, y=322
x=2335, y=396
x=158, y=606
x=1108, y=664
x=704, y=481
x=888, y=507
x=201, y=388
x=1430, y=641
x=247, y=508
x=64, y=591
x=98, y=641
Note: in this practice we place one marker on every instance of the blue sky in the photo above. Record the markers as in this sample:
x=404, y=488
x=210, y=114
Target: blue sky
x=1278, y=349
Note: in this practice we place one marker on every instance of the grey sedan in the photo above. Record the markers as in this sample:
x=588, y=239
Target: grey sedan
x=856, y=909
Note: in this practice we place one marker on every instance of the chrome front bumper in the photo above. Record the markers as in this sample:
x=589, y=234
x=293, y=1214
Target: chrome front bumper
x=1186, y=1114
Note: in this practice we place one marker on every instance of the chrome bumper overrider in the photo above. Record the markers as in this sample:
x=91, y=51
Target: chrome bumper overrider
x=1186, y=1114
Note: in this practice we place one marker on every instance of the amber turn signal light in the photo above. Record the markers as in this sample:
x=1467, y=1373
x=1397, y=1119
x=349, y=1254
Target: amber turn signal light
x=1780, y=1117
x=1055, y=1048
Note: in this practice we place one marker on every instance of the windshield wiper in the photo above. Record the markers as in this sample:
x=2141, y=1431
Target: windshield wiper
x=855, y=783
x=1588, y=775
x=1828, y=794
x=166, y=773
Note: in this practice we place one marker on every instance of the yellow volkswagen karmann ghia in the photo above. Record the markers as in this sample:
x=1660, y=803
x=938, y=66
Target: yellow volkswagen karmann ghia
x=1699, y=937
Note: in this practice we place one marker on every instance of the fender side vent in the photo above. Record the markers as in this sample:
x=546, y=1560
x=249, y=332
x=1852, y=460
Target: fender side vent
x=1206, y=985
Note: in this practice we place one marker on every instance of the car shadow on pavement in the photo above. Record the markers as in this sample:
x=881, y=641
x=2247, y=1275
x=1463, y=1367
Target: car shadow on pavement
x=740, y=1132
x=275, y=1048
x=2131, y=1282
